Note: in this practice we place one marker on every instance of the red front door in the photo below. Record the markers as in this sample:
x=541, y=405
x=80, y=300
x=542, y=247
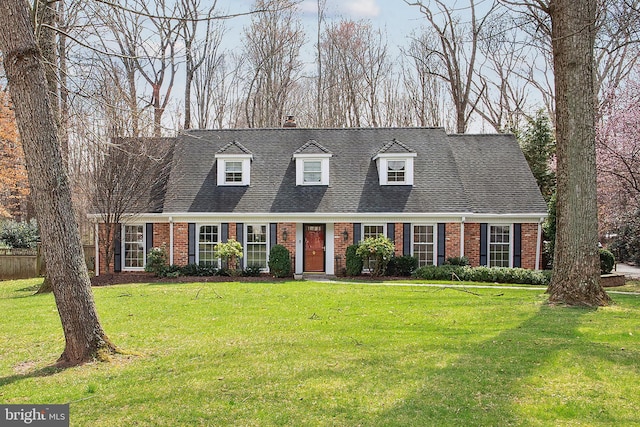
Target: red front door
x=314, y=247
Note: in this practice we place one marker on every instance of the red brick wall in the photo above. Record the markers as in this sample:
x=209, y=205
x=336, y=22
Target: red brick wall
x=181, y=243
x=472, y=243
x=399, y=238
x=161, y=235
x=529, y=245
x=452, y=240
x=290, y=243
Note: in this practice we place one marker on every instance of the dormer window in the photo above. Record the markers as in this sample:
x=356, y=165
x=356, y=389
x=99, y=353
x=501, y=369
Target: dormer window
x=395, y=164
x=234, y=165
x=312, y=172
x=396, y=171
x=312, y=164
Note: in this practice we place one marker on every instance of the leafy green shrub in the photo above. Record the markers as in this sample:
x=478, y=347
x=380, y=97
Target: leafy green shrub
x=157, y=261
x=20, y=235
x=280, y=261
x=457, y=260
x=252, y=271
x=378, y=250
x=607, y=261
x=173, y=271
x=484, y=274
x=353, y=261
x=201, y=270
x=402, y=266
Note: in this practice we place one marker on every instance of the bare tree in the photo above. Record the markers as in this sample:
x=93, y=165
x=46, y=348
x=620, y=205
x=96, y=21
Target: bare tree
x=456, y=46
x=424, y=91
x=128, y=178
x=84, y=337
x=272, y=45
x=200, y=47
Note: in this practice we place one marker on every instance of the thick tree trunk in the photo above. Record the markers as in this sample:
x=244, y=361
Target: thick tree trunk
x=576, y=265
x=84, y=337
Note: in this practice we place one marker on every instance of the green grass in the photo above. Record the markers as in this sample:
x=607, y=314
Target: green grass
x=327, y=354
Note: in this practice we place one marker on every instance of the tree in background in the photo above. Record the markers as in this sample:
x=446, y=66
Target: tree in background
x=538, y=145
x=14, y=185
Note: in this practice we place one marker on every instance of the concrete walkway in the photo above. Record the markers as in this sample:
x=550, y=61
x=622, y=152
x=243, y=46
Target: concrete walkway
x=629, y=271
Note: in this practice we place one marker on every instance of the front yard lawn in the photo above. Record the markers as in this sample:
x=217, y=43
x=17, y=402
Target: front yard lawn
x=329, y=354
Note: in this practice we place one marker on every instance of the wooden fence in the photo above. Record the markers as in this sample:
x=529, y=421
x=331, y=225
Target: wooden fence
x=28, y=263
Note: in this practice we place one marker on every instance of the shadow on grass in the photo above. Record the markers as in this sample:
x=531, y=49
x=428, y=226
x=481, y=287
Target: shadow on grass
x=47, y=371
x=483, y=385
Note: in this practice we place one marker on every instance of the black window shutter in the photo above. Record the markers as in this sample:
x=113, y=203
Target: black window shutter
x=192, y=236
x=484, y=245
x=224, y=232
x=117, y=249
x=391, y=231
x=240, y=232
x=517, y=245
x=273, y=234
x=357, y=228
x=149, y=237
x=441, y=243
x=406, y=238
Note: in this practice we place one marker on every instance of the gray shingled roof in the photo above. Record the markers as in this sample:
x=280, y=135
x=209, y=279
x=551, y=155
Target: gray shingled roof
x=466, y=173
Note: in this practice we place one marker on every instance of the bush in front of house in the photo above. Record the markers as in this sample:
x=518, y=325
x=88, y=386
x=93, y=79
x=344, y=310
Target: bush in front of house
x=354, y=263
x=379, y=251
x=19, y=235
x=402, y=266
x=484, y=274
x=457, y=260
x=280, y=261
x=157, y=261
x=607, y=261
x=252, y=271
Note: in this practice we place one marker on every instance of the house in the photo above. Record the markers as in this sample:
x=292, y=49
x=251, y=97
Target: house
x=317, y=191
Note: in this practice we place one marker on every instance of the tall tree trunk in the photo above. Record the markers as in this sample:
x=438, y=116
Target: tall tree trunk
x=576, y=266
x=84, y=336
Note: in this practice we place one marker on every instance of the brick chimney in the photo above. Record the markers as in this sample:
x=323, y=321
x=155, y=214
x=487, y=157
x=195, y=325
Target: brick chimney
x=290, y=122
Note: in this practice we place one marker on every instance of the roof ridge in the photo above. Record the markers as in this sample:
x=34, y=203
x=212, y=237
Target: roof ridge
x=234, y=144
x=309, y=143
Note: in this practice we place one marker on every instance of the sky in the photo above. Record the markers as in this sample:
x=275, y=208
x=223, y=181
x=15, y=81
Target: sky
x=395, y=17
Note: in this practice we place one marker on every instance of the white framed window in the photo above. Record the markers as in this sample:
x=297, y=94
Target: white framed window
x=208, y=237
x=372, y=230
x=234, y=169
x=424, y=244
x=312, y=169
x=500, y=246
x=256, y=246
x=395, y=169
x=133, y=246
x=312, y=172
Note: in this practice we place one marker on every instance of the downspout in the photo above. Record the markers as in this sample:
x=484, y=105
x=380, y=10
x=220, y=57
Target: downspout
x=539, y=244
x=462, y=220
x=170, y=240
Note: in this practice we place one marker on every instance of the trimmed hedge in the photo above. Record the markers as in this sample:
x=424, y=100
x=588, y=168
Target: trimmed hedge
x=402, y=266
x=280, y=261
x=484, y=274
x=354, y=263
x=607, y=261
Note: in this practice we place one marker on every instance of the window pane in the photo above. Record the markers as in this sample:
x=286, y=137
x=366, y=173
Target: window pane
x=133, y=246
x=207, y=239
x=372, y=231
x=256, y=251
x=233, y=171
x=499, y=246
x=312, y=171
x=395, y=170
x=423, y=244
